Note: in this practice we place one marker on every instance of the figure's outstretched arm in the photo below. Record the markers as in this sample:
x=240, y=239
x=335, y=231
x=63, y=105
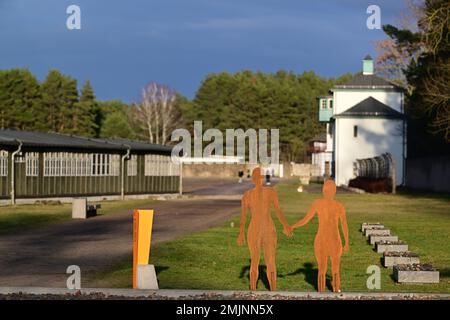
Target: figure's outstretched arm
x=244, y=209
x=307, y=218
x=287, y=229
x=343, y=219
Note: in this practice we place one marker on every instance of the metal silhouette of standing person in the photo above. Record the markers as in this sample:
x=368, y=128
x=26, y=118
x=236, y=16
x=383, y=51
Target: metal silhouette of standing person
x=328, y=240
x=261, y=233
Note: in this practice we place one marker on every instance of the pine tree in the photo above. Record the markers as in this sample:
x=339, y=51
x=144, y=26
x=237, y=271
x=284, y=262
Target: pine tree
x=20, y=100
x=84, y=113
x=116, y=125
x=104, y=110
x=60, y=95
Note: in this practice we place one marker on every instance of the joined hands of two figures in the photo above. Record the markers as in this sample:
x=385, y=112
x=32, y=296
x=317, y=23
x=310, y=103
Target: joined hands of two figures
x=287, y=230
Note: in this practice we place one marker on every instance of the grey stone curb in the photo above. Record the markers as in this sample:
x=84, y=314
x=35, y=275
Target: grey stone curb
x=193, y=294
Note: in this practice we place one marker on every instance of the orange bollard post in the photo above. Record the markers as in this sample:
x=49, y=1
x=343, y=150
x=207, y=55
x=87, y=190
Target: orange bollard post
x=142, y=236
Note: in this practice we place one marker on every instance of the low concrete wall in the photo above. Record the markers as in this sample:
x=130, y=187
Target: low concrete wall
x=429, y=173
x=305, y=170
x=224, y=170
x=217, y=170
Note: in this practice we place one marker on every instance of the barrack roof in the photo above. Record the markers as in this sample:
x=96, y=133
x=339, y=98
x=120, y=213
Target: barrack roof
x=50, y=140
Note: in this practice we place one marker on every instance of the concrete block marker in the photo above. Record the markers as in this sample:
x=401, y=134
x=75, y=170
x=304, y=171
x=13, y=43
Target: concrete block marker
x=366, y=225
x=146, y=277
x=406, y=264
x=383, y=246
x=376, y=238
x=416, y=273
x=378, y=232
x=392, y=258
x=79, y=208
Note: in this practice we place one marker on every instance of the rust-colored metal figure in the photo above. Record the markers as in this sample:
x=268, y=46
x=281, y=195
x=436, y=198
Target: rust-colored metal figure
x=328, y=240
x=261, y=232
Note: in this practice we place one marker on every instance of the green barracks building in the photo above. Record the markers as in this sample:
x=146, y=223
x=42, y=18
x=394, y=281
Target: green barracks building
x=51, y=165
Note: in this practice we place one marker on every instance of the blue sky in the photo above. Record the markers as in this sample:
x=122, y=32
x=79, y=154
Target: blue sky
x=123, y=45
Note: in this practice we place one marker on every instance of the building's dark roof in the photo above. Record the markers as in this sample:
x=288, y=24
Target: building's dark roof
x=34, y=139
x=368, y=81
x=141, y=145
x=368, y=57
x=370, y=107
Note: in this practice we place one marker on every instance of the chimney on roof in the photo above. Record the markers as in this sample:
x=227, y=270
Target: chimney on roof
x=368, y=65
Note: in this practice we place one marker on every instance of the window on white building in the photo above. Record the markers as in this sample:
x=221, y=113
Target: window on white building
x=115, y=165
x=132, y=165
x=32, y=164
x=158, y=165
x=80, y=164
x=355, y=131
x=323, y=103
x=19, y=158
x=3, y=163
x=149, y=165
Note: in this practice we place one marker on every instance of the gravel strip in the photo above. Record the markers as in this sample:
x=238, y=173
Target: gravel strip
x=129, y=294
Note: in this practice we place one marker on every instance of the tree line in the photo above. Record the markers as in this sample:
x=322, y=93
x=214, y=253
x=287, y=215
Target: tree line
x=246, y=99
x=54, y=105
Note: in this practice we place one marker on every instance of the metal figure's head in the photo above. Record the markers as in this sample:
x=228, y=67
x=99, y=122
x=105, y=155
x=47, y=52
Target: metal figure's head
x=257, y=178
x=329, y=189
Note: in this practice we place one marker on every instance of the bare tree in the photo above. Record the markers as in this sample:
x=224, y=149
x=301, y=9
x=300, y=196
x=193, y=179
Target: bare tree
x=156, y=113
x=436, y=97
x=436, y=79
x=436, y=26
x=169, y=116
x=393, y=58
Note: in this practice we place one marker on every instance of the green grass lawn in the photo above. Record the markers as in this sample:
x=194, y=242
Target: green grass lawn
x=22, y=217
x=212, y=260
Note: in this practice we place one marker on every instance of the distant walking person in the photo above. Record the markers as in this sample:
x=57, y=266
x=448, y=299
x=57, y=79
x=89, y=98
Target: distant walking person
x=328, y=241
x=241, y=175
x=262, y=233
x=268, y=177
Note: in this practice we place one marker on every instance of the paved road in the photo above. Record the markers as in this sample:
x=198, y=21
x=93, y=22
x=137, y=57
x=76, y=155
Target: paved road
x=40, y=257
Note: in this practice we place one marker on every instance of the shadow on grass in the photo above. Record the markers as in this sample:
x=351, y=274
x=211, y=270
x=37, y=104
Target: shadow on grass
x=245, y=272
x=444, y=273
x=415, y=193
x=159, y=269
x=310, y=274
x=393, y=277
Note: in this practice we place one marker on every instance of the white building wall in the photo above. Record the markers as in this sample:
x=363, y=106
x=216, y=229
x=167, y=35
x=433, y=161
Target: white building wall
x=375, y=137
x=329, y=137
x=319, y=160
x=346, y=99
